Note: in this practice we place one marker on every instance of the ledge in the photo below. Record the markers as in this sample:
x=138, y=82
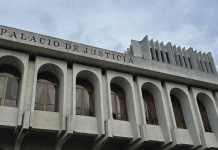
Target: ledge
x=152, y=133
x=45, y=120
x=15, y=39
x=182, y=137
x=211, y=140
x=85, y=125
x=119, y=128
x=8, y=116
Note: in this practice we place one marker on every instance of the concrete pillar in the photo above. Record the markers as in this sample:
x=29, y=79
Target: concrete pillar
x=69, y=100
x=145, y=48
x=193, y=59
x=136, y=49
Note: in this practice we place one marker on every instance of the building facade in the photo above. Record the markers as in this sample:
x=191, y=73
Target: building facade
x=61, y=95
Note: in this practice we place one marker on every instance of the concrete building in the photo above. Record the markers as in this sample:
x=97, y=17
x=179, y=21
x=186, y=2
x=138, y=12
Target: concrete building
x=61, y=95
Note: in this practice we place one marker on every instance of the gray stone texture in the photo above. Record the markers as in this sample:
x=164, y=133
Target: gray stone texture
x=23, y=128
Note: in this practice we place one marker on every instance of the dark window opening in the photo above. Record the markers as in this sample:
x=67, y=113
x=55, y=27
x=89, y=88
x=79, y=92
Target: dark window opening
x=152, y=54
x=84, y=98
x=150, y=108
x=186, y=65
x=168, y=59
x=204, y=117
x=176, y=60
x=178, y=113
x=157, y=56
x=162, y=56
x=118, y=99
x=190, y=63
x=180, y=60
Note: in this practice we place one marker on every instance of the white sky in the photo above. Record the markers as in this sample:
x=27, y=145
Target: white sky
x=112, y=24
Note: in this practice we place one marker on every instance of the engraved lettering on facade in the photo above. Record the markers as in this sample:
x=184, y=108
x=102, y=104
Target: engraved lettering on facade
x=70, y=46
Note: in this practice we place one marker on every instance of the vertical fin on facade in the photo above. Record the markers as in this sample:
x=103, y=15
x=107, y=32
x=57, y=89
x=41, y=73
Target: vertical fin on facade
x=171, y=54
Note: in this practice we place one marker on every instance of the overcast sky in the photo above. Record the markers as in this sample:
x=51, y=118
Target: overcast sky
x=112, y=24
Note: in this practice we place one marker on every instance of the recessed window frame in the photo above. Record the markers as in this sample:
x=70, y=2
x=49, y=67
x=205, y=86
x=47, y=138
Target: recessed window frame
x=85, y=86
x=178, y=112
x=50, y=83
x=119, y=103
x=9, y=75
x=150, y=107
x=162, y=56
x=5, y=79
x=168, y=58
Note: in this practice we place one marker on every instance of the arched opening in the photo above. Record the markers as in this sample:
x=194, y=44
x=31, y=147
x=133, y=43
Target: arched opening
x=87, y=93
x=203, y=112
x=118, y=98
x=178, y=112
x=9, y=85
x=84, y=98
x=11, y=70
x=150, y=107
x=47, y=88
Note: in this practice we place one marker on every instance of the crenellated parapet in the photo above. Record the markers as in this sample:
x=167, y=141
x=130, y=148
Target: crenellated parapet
x=172, y=55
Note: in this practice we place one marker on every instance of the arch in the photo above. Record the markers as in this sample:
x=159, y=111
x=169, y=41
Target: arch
x=178, y=99
x=49, y=81
x=120, y=93
x=13, y=61
x=151, y=95
x=204, y=105
x=52, y=69
x=87, y=85
x=11, y=72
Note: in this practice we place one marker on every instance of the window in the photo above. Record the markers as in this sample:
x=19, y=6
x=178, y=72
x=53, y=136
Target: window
x=157, y=56
x=118, y=103
x=184, y=58
x=152, y=54
x=9, y=86
x=84, y=98
x=150, y=109
x=176, y=60
x=47, y=92
x=178, y=113
x=162, y=56
x=190, y=63
x=204, y=116
x=167, y=56
x=180, y=60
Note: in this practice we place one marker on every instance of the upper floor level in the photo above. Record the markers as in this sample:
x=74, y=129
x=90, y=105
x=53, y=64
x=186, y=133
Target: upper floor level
x=164, y=62
x=172, y=55
x=48, y=85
